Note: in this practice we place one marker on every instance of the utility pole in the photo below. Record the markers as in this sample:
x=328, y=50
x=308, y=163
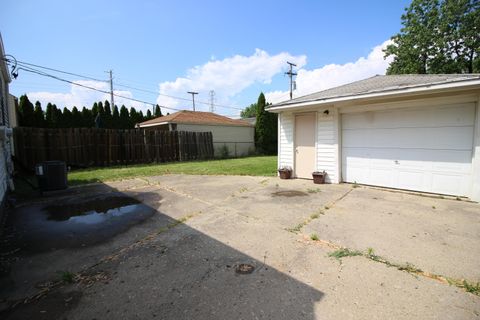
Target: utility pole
x=290, y=73
x=193, y=98
x=212, y=100
x=111, y=90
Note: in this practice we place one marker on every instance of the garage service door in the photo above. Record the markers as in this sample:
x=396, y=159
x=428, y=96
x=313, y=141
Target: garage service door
x=423, y=149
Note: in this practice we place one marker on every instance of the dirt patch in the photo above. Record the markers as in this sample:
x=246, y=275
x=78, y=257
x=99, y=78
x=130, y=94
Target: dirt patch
x=289, y=193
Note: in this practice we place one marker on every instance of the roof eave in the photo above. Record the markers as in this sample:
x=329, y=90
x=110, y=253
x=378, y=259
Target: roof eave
x=390, y=93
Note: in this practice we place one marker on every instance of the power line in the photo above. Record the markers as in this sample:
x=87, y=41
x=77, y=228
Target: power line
x=56, y=70
x=175, y=97
x=26, y=66
x=32, y=70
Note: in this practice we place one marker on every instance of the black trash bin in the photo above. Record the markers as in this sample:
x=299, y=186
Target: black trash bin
x=51, y=175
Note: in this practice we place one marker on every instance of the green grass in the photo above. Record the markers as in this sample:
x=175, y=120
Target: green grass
x=314, y=237
x=249, y=166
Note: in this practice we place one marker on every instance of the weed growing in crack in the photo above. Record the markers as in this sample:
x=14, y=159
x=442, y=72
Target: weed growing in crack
x=297, y=228
x=67, y=276
x=314, y=215
x=408, y=267
x=344, y=252
x=316, y=190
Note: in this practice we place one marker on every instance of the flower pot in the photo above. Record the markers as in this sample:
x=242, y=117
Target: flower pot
x=285, y=174
x=319, y=177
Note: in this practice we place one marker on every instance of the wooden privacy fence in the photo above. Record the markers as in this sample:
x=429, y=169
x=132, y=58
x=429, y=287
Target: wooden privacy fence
x=86, y=147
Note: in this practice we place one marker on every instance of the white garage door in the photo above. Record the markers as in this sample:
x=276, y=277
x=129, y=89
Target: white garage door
x=423, y=149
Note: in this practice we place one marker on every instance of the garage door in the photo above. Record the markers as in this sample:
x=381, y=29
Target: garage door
x=423, y=149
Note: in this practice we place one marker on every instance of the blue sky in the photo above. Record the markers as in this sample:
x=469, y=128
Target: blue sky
x=236, y=48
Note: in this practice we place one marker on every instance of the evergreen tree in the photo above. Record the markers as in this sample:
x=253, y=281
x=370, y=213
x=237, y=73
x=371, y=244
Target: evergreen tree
x=158, y=112
x=115, y=118
x=95, y=109
x=124, y=118
x=38, y=115
x=87, y=118
x=25, y=112
x=49, y=115
x=67, y=119
x=265, y=128
x=134, y=117
x=108, y=114
x=149, y=115
x=76, y=121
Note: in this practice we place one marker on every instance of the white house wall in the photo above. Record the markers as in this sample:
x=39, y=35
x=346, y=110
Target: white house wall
x=240, y=141
x=285, y=143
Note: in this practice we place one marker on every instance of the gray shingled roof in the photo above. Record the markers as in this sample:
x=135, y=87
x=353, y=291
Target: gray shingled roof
x=381, y=84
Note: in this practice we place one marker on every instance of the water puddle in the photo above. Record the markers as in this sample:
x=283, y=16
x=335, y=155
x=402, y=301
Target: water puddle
x=289, y=193
x=92, y=211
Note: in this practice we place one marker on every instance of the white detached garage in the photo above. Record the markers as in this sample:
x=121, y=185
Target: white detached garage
x=414, y=132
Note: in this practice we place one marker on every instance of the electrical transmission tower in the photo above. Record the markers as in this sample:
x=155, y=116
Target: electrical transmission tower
x=290, y=73
x=212, y=100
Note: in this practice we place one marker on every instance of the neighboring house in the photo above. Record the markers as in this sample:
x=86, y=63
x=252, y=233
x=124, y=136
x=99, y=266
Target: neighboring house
x=414, y=132
x=236, y=135
x=5, y=132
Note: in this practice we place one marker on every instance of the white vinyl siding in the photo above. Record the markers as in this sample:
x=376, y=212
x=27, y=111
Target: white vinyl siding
x=424, y=149
x=327, y=146
x=285, y=142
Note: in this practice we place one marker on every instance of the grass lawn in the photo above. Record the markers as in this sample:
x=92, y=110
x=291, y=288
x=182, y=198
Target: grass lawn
x=250, y=166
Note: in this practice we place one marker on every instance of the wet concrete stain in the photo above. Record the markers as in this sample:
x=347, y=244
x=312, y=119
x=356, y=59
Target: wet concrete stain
x=78, y=222
x=289, y=193
x=103, y=205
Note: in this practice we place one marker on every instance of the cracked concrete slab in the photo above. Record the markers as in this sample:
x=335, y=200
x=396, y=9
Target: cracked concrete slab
x=180, y=264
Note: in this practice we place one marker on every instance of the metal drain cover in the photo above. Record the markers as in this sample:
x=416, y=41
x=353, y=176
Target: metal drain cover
x=244, y=268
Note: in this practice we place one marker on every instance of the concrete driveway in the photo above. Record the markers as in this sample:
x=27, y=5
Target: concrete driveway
x=405, y=256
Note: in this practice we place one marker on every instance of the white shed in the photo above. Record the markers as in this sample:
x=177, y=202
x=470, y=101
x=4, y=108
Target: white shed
x=414, y=132
x=235, y=135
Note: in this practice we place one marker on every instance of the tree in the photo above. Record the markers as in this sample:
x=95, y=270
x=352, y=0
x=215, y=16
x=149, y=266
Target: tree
x=107, y=117
x=67, y=119
x=38, y=116
x=87, y=118
x=25, y=112
x=438, y=36
x=76, y=121
x=265, y=128
x=158, y=112
x=250, y=111
x=115, y=118
x=124, y=118
x=149, y=115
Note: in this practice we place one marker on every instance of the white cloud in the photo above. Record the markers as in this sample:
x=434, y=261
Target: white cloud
x=228, y=77
x=80, y=96
x=332, y=75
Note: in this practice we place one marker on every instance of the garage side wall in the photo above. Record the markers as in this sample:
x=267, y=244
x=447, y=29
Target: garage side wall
x=476, y=156
x=240, y=141
x=285, y=141
x=327, y=144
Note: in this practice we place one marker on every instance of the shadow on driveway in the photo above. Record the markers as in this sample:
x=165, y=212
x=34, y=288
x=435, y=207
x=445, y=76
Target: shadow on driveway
x=166, y=269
